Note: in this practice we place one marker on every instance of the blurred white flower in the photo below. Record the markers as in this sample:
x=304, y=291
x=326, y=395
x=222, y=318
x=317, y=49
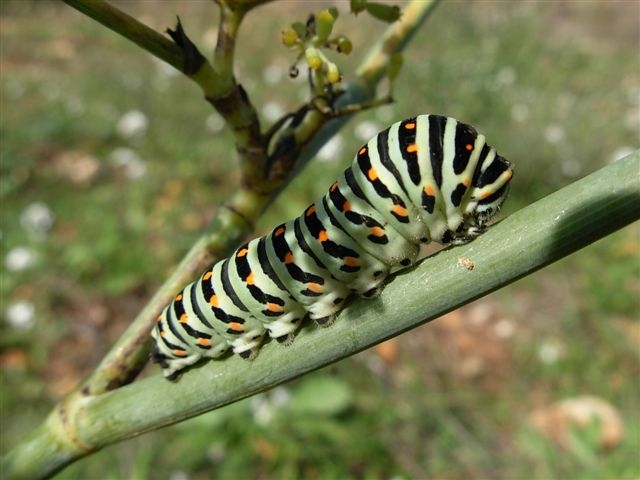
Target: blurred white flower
x=262, y=410
x=366, y=130
x=20, y=315
x=504, y=329
x=519, y=112
x=51, y=91
x=272, y=111
x=179, y=475
x=15, y=88
x=554, y=133
x=621, y=152
x=37, y=218
x=571, y=167
x=76, y=107
x=506, y=76
x=331, y=150
x=263, y=407
x=273, y=73
x=549, y=352
x=214, y=123
x=19, y=259
x=280, y=396
x=134, y=166
x=133, y=124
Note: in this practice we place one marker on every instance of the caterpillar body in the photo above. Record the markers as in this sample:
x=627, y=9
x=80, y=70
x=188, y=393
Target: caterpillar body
x=427, y=178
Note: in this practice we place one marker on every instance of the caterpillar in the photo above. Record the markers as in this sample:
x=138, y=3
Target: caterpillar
x=425, y=179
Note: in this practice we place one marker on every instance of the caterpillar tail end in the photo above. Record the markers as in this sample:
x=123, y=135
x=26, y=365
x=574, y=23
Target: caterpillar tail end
x=170, y=370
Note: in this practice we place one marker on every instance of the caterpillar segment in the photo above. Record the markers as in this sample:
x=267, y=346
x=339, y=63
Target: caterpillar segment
x=427, y=178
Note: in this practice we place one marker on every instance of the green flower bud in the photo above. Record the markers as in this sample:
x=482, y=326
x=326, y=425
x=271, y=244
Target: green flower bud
x=358, y=6
x=344, y=45
x=386, y=13
x=289, y=37
x=333, y=74
x=324, y=25
x=314, y=60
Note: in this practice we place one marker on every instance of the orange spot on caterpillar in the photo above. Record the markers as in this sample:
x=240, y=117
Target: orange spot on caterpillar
x=204, y=341
x=311, y=210
x=413, y=148
x=466, y=181
x=351, y=261
x=323, y=236
x=163, y=333
x=274, y=307
x=377, y=231
x=399, y=210
x=207, y=275
x=288, y=258
x=242, y=253
x=372, y=174
x=236, y=327
x=183, y=318
x=178, y=297
x=159, y=319
x=334, y=185
x=362, y=151
x=346, y=207
x=279, y=231
x=410, y=126
x=213, y=301
x=180, y=353
x=314, y=287
x=469, y=147
x=250, y=279
x=429, y=190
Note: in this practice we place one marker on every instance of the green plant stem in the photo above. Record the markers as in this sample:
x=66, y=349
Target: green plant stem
x=394, y=40
x=130, y=28
x=531, y=238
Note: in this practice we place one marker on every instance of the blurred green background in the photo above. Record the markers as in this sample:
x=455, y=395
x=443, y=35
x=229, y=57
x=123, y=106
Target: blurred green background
x=112, y=163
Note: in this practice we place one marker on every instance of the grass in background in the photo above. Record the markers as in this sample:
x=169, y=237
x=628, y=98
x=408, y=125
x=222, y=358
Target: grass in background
x=111, y=164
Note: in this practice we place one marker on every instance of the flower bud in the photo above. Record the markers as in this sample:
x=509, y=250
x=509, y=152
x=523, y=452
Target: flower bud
x=289, y=37
x=324, y=25
x=333, y=74
x=313, y=58
x=344, y=45
x=386, y=13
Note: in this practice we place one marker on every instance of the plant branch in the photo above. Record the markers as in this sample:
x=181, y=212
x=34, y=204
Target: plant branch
x=233, y=221
x=130, y=28
x=394, y=39
x=528, y=240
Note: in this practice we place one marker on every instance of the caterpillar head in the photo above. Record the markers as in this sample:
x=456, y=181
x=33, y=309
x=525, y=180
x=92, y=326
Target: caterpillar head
x=491, y=189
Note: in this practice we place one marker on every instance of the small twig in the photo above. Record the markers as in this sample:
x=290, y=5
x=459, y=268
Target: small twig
x=130, y=28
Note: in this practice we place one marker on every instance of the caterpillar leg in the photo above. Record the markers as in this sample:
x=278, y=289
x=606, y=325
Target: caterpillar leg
x=248, y=344
x=172, y=367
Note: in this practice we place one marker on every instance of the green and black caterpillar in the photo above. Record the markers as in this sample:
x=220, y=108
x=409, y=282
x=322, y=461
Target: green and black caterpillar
x=425, y=179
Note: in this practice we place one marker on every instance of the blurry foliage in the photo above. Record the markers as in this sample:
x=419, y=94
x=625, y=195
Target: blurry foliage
x=550, y=86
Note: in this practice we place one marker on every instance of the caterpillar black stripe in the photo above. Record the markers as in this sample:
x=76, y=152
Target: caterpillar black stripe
x=428, y=178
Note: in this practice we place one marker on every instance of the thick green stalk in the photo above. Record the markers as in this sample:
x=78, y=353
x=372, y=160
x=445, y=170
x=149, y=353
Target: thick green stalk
x=531, y=238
